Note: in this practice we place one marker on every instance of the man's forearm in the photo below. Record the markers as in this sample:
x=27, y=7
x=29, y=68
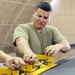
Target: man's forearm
x=65, y=46
x=22, y=45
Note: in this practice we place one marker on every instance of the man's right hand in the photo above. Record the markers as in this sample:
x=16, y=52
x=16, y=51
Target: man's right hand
x=30, y=57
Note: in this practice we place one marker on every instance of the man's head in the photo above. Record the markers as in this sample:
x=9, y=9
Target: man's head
x=41, y=15
x=44, y=6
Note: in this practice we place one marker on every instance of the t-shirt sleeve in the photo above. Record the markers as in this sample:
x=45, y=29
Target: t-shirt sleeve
x=56, y=35
x=19, y=31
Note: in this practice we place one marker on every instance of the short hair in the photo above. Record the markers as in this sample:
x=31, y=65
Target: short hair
x=44, y=5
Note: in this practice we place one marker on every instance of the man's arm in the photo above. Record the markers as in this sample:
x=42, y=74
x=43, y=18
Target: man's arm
x=24, y=48
x=63, y=46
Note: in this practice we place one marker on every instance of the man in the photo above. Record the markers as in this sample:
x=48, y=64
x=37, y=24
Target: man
x=18, y=62
x=37, y=37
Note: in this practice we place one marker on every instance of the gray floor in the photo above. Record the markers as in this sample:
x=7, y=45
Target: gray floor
x=65, y=67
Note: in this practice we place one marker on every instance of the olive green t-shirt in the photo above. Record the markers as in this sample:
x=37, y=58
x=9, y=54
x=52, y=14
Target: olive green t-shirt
x=38, y=41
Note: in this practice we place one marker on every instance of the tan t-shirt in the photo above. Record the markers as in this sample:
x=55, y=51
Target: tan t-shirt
x=38, y=41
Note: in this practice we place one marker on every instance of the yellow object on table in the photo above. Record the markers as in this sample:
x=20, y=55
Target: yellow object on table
x=32, y=69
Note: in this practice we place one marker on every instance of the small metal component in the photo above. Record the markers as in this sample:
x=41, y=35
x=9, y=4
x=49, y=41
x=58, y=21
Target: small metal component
x=13, y=65
x=38, y=65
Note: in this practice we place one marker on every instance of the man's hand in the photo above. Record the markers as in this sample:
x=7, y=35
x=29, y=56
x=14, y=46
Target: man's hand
x=24, y=48
x=17, y=61
x=30, y=57
x=53, y=49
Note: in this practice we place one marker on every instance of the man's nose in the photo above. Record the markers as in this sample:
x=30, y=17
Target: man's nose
x=42, y=19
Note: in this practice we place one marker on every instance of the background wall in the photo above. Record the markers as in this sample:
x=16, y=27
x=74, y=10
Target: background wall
x=63, y=18
x=14, y=12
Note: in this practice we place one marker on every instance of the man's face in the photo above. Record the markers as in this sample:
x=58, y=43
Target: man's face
x=40, y=18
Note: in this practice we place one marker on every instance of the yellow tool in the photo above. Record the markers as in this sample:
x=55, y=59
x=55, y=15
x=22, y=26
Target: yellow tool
x=46, y=62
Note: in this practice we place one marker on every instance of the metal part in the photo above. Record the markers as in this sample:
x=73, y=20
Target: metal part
x=38, y=65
